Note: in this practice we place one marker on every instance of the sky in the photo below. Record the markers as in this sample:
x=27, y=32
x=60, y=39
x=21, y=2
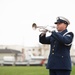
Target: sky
x=17, y=17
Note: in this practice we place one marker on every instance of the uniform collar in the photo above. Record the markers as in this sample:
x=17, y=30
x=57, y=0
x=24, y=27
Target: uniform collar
x=64, y=31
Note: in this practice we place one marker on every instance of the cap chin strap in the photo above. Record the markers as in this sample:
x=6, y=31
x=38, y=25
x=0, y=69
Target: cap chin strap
x=69, y=43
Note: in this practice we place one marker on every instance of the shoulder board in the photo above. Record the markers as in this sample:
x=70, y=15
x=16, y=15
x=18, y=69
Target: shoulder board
x=69, y=43
x=66, y=33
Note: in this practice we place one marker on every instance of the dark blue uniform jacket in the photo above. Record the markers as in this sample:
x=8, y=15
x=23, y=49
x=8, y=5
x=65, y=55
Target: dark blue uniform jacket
x=59, y=57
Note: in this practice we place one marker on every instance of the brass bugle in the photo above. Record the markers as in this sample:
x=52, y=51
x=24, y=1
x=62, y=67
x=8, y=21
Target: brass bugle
x=41, y=28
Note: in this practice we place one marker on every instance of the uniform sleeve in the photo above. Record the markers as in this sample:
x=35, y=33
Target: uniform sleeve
x=66, y=39
x=44, y=40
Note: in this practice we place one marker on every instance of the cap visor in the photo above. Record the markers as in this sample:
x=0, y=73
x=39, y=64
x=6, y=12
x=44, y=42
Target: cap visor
x=57, y=22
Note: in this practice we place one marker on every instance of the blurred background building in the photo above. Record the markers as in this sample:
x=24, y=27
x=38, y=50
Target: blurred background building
x=17, y=54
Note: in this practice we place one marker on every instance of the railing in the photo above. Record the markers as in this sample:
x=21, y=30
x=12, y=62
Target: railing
x=30, y=62
x=73, y=59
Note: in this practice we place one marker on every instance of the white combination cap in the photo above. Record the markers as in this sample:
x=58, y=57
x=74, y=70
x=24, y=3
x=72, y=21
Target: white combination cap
x=61, y=19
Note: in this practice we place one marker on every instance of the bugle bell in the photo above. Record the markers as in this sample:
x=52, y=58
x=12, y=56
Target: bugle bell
x=42, y=28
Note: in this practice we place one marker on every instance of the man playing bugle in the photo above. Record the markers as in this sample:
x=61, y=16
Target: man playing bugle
x=59, y=60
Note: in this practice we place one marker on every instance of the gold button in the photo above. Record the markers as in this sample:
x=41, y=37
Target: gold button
x=62, y=56
x=52, y=49
x=54, y=45
x=52, y=53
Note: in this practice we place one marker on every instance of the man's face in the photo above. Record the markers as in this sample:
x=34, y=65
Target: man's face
x=61, y=26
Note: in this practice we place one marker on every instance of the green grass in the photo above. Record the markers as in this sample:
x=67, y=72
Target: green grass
x=23, y=70
x=73, y=70
x=26, y=70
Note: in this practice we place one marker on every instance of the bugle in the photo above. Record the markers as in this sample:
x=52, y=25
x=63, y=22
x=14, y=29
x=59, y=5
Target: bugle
x=42, y=28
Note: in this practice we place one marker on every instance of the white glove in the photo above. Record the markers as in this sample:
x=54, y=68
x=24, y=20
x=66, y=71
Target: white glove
x=50, y=28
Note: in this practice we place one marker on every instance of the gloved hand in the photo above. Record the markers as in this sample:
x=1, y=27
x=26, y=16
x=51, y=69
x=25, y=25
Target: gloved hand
x=50, y=28
x=43, y=32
